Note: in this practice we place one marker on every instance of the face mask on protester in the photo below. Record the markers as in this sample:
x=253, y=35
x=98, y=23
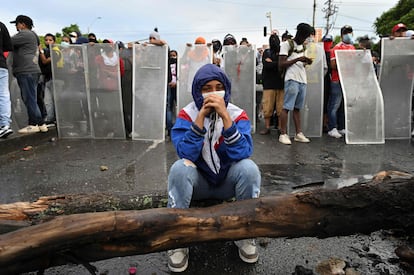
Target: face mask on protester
x=347, y=38
x=219, y=93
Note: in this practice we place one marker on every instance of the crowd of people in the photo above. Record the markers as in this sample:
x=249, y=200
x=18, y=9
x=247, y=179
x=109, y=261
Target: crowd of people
x=211, y=135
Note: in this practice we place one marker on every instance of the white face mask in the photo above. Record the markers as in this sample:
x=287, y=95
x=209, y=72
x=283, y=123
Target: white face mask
x=219, y=93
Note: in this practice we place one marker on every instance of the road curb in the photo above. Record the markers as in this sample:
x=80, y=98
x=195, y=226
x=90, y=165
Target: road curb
x=18, y=141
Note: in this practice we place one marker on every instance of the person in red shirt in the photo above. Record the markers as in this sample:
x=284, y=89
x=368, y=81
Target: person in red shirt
x=336, y=115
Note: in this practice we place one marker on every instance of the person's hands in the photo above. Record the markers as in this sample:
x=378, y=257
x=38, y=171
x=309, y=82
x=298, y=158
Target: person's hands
x=305, y=60
x=216, y=60
x=216, y=103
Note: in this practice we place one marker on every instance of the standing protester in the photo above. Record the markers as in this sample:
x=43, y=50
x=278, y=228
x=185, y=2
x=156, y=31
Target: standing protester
x=292, y=58
x=327, y=45
x=27, y=71
x=171, y=89
x=336, y=113
x=45, y=86
x=5, y=104
x=272, y=83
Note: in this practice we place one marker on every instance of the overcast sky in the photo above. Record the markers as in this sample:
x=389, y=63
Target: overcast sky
x=181, y=21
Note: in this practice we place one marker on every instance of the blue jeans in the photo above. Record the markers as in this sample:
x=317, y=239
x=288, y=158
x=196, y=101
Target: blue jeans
x=185, y=183
x=5, y=104
x=28, y=88
x=336, y=116
x=171, y=99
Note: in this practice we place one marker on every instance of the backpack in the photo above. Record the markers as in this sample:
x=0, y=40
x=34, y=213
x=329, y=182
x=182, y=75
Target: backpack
x=291, y=50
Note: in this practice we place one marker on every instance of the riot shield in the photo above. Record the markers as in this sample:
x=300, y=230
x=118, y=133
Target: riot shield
x=70, y=93
x=18, y=109
x=312, y=113
x=149, y=92
x=363, y=102
x=193, y=58
x=396, y=81
x=240, y=67
x=104, y=90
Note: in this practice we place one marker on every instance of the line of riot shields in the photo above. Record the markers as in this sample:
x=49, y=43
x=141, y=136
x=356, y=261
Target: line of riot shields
x=89, y=103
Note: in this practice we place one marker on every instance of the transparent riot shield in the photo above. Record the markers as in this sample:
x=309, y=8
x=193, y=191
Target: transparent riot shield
x=396, y=81
x=193, y=58
x=18, y=109
x=149, y=92
x=312, y=112
x=70, y=93
x=105, y=99
x=363, y=102
x=240, y=67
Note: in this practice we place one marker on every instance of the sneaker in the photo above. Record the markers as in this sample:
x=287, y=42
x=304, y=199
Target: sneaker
x=43, y=128
x=300, y=137
x=342, y=132
x=334, y=133
x=285, y=139
x=29, y=129
x=178, y=259
x=5, y=130
x=265, y=131
x=247, y=250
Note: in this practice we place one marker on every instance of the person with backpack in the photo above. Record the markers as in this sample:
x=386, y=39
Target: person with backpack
x=292, y=59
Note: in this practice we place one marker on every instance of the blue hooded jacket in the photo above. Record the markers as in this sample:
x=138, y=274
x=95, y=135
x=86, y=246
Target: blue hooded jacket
x=213, y=151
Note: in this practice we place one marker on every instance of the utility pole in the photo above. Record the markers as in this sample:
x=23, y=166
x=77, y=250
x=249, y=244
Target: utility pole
x=330, y=10
x=314, y=13
x=269, y=15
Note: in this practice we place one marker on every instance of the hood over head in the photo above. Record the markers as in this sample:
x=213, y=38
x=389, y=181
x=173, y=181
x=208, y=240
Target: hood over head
x=274, y=43
x=205, y=74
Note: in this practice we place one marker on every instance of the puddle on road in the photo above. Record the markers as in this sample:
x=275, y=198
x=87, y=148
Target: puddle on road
x=284, y=178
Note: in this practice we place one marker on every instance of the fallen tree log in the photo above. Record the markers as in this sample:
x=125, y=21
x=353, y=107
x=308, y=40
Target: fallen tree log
x=22, y=214
x=361, y=208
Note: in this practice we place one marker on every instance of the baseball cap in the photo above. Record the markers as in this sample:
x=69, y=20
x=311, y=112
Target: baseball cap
x=398, y=27
x=327, y=37
x=73, y=34
x=23, y=19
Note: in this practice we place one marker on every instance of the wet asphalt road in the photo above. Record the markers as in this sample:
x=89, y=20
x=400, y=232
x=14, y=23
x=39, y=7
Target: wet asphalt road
x=54, y=166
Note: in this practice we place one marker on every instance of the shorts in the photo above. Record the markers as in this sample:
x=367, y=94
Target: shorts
x=295, y=93
x=272, y=99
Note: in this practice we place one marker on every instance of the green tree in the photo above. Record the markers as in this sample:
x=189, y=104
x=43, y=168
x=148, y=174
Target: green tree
x=71, y=28
x=403, y=12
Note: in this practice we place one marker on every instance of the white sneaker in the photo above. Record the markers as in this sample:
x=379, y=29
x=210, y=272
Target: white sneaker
x=43, y=128
x=343, y=132
x=247, y=250
x=5, y=130
x=300, y=137
x=29, y=129
x=178, y=259
x=334, y=133
x=285, y=139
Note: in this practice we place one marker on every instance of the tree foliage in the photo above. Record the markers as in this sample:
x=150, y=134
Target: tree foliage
x=71, y=28
x=403, y=12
